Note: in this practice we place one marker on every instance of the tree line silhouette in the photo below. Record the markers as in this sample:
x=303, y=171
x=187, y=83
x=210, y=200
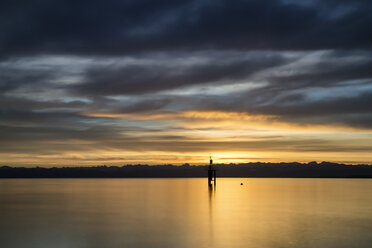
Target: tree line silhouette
x=281, y=170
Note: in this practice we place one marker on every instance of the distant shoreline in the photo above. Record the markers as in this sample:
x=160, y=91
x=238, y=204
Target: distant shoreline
x=248, y=170
x=182, y=177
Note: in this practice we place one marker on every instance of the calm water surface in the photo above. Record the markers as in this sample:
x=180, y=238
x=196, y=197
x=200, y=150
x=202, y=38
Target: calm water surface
x=110, y=213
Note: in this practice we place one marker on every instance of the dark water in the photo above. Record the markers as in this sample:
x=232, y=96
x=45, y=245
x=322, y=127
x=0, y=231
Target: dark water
x=110, y=213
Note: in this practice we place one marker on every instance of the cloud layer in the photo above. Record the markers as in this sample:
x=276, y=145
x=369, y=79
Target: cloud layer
x=98, y=80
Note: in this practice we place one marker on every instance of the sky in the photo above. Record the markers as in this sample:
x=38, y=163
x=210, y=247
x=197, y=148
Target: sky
x=170, y=81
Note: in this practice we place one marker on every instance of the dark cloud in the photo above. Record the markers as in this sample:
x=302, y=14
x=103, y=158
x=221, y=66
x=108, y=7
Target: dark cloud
x=340, y=99
x=325, y=74
x=8, y=104
x=351, y=111
x=354, y=111
x=11, y=78
x=334, y=106
x=143, y=106
x=127, y=27
x=36, y=118
x=24, y=112
x=144, y=78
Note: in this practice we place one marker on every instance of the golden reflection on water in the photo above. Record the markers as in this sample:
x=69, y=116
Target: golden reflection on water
x=185, y=213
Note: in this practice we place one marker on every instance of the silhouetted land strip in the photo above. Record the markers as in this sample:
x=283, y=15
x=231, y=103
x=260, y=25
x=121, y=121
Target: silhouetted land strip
x=280, y=170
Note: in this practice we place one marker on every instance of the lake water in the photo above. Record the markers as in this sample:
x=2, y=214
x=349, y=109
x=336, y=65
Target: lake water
x=111, y=213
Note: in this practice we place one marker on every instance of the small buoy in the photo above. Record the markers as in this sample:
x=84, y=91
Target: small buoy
x=241, y=183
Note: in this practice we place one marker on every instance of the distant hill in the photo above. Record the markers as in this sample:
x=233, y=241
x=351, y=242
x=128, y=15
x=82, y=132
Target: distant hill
x=300, y=170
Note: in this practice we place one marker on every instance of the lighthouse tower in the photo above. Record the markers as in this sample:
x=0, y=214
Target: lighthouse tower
x=211, y=173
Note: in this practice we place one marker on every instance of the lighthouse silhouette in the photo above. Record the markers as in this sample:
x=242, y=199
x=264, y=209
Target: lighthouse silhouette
x=211, y=173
